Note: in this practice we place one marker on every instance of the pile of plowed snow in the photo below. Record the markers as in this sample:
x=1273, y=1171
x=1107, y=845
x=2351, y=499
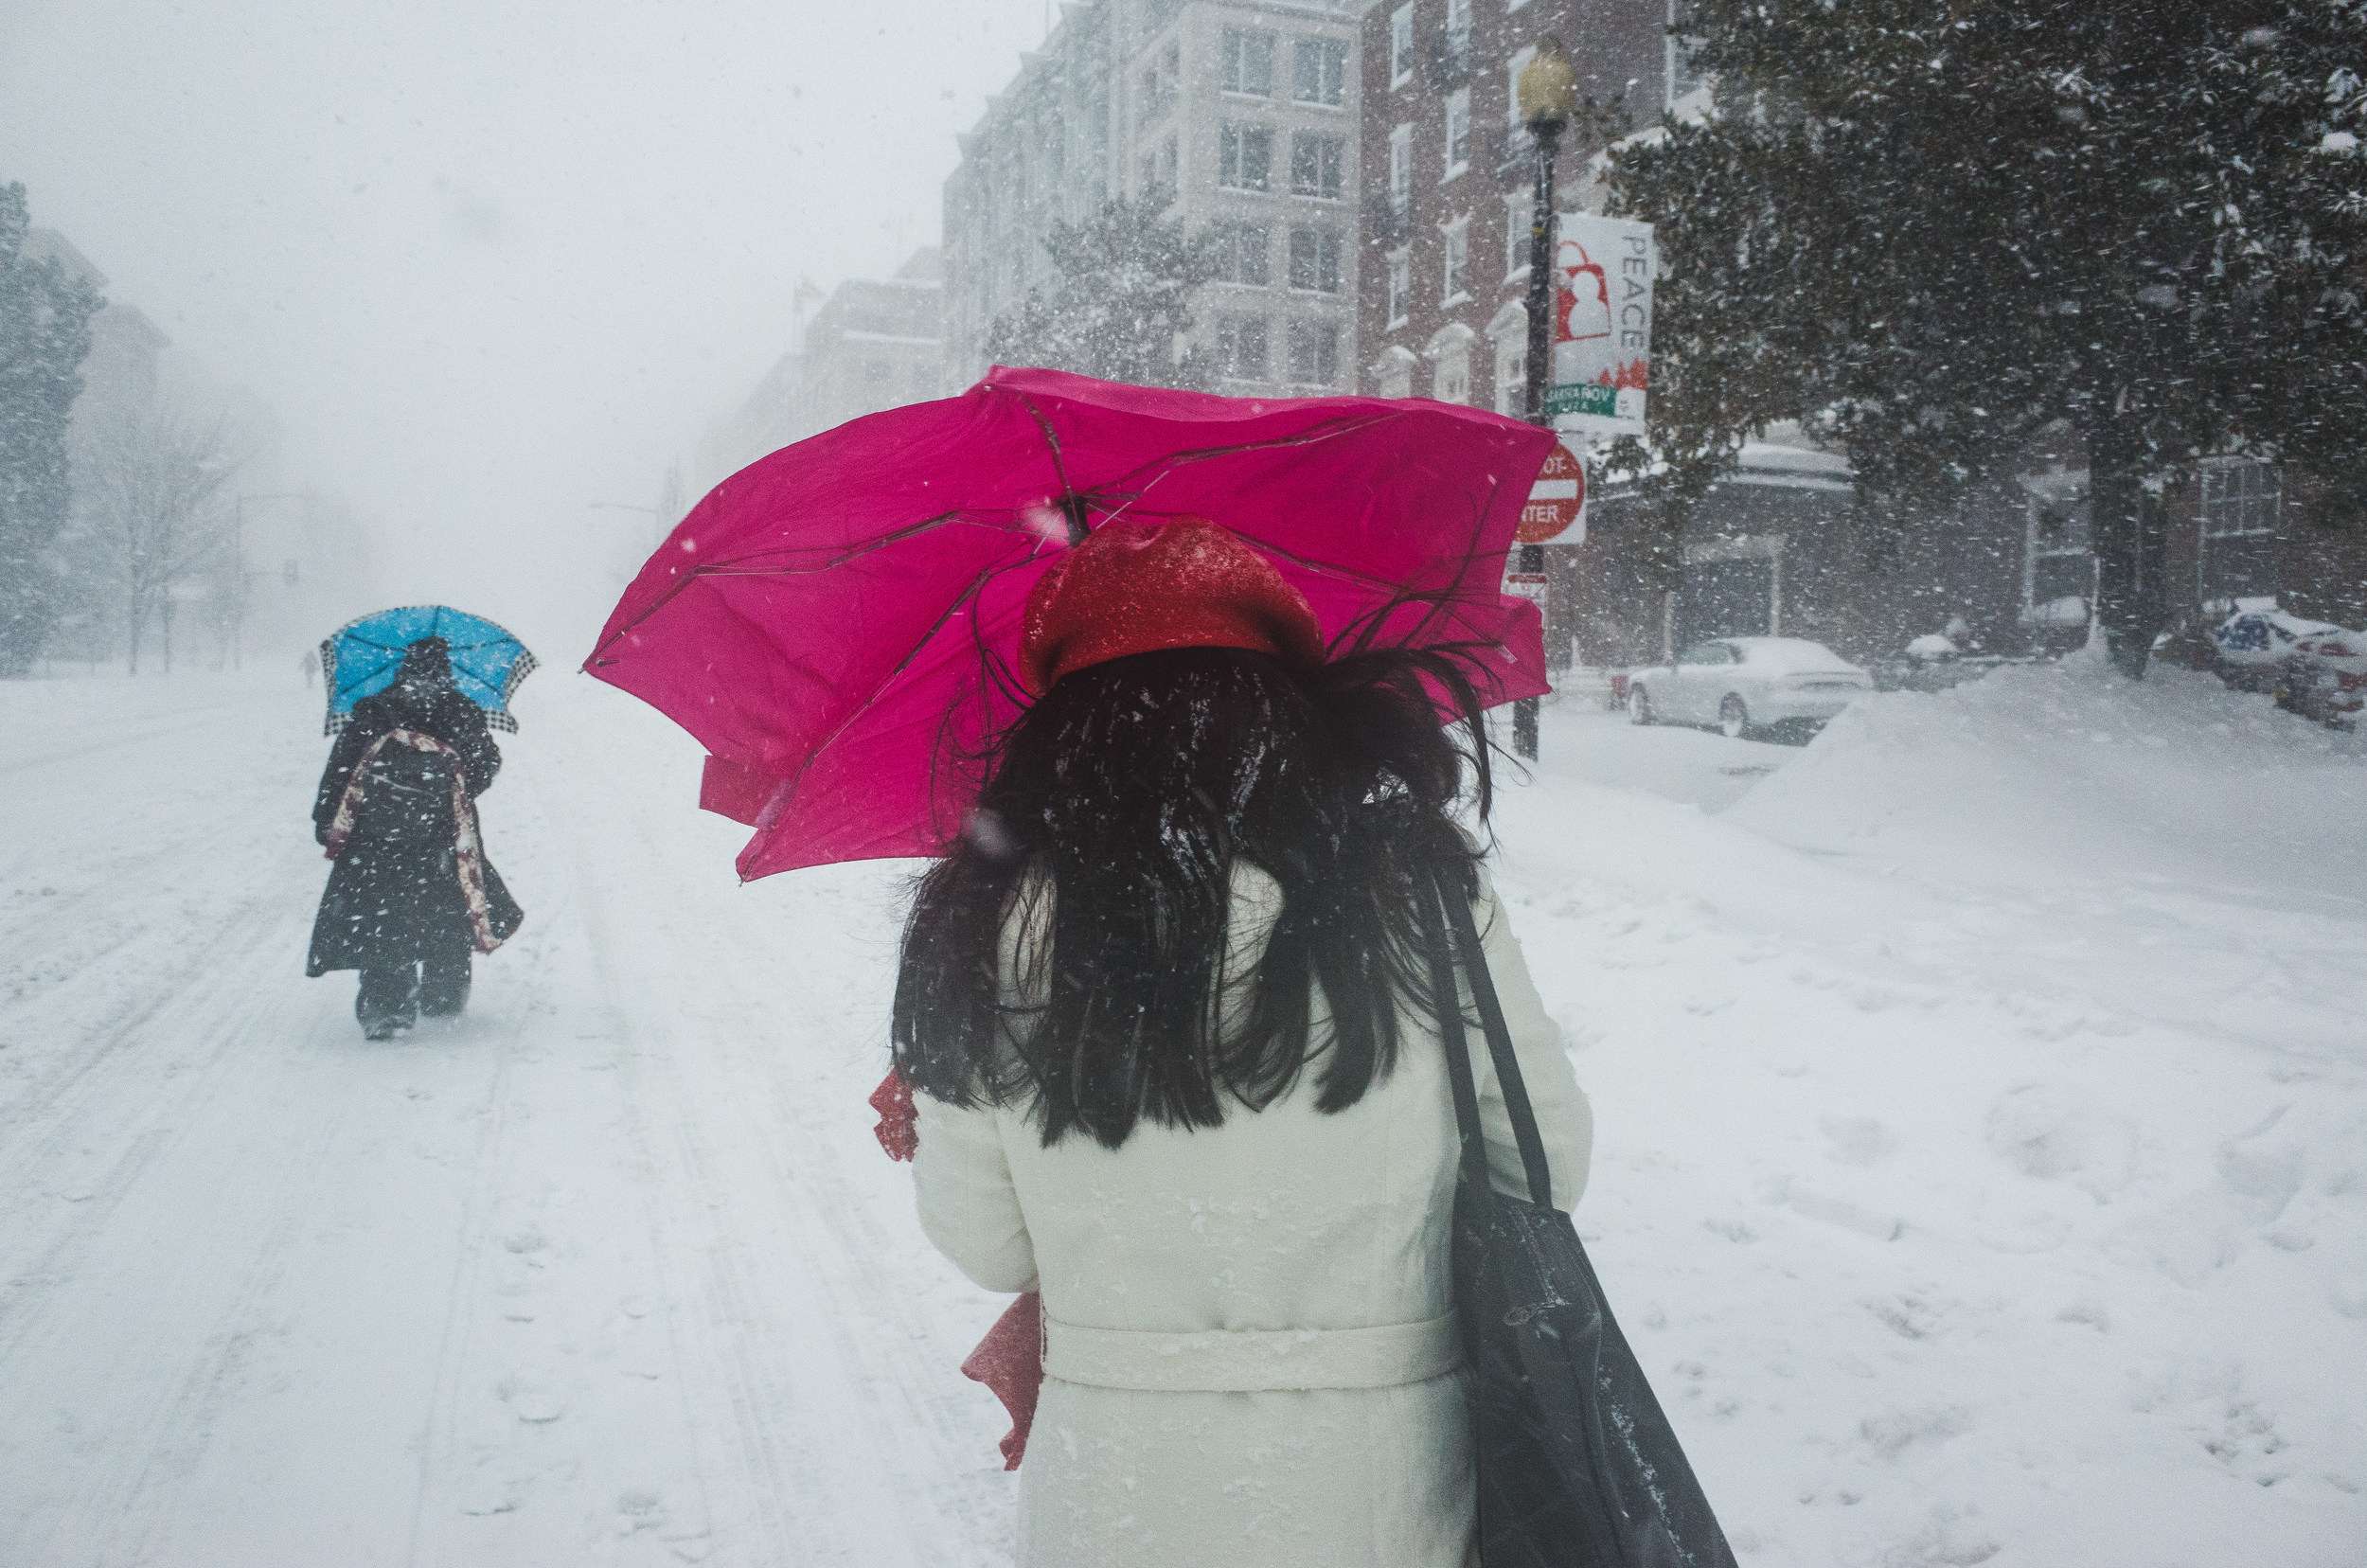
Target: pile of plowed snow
x=1981, y=1119
x=2064, y=773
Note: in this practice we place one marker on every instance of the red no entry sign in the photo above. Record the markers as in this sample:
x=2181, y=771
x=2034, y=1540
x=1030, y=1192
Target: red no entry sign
x=1555, y=513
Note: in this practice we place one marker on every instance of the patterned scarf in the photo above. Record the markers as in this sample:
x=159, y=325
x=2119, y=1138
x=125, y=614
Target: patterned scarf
x=465, y=850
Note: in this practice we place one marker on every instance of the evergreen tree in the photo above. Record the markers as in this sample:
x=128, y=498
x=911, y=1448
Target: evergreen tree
x=1120, y=306
x=44, y=335
x=1937, y=228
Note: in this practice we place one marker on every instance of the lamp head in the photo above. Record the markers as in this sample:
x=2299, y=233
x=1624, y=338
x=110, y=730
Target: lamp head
x=1547, y=89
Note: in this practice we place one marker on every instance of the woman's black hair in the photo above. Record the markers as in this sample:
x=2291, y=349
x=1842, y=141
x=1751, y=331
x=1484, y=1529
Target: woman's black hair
x=1122, y=799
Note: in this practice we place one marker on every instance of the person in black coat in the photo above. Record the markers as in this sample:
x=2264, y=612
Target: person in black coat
x=412, y=895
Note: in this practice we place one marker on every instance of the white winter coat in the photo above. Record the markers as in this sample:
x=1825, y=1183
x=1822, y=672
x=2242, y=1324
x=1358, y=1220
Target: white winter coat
x=1282, y=1219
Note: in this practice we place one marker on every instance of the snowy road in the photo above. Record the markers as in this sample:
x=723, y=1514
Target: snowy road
x=615, y=1272
x=1983, y=1171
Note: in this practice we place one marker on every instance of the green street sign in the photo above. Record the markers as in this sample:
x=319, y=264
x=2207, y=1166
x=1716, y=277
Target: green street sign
x=1583, y=398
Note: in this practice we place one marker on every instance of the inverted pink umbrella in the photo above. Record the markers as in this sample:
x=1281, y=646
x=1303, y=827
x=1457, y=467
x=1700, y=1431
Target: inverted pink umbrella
x=836, y=623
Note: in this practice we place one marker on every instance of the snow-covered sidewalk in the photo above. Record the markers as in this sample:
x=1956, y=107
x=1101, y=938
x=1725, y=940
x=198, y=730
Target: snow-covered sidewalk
x=1981, y=1168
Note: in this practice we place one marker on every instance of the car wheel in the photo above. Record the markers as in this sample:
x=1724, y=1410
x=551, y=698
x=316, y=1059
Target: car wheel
x=1734, y=720
x=1640, y=706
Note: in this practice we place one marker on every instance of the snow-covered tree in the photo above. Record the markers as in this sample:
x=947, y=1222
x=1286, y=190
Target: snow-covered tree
x=1938, y=228
x=44, y=334
x=1120, y=309
x=152, y=518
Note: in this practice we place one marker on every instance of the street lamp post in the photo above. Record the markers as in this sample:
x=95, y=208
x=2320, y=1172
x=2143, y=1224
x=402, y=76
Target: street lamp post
x=1547, y=94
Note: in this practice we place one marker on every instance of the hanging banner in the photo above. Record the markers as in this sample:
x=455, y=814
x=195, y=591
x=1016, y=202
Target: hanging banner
x=1602, y=364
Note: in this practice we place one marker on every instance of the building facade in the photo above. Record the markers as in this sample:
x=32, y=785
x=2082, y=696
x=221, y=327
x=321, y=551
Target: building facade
x=871, y=344
x=1781, y=548
x=1239, y=118
x=1449, y=176
x=874, y=343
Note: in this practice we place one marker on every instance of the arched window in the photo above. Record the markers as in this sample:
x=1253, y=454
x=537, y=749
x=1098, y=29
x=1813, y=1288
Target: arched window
x=1450, y=363
x=1508, y=330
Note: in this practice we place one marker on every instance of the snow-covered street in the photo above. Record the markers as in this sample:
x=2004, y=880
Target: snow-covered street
x=1980, y=1166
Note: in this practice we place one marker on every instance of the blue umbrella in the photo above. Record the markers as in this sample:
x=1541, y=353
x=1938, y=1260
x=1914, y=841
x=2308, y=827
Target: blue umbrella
x=360, y=659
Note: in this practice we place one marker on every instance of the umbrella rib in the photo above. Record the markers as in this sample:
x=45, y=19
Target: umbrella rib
x=724, y=568
x=1051, y=439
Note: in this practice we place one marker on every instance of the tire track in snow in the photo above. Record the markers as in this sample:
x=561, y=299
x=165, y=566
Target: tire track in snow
x=842, y=1452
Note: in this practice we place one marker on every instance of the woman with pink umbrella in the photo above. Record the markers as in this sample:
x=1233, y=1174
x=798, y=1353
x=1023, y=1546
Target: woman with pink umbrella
x=1166, y=1017
x=1179, y=1033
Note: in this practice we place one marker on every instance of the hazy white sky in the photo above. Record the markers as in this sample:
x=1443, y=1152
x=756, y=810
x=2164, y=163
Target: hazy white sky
x=492, y=259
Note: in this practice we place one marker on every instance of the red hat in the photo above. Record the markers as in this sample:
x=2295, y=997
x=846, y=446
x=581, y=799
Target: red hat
x=1139, y=587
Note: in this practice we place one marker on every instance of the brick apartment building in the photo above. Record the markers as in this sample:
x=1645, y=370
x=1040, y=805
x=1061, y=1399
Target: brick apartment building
x=1449, y=175
x=1241, y=114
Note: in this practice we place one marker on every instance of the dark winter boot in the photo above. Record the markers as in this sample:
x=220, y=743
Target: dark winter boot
x=388, y=1000
x=444, y=985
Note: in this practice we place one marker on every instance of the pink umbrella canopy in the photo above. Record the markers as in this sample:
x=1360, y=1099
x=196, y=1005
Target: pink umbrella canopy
x=838, y=623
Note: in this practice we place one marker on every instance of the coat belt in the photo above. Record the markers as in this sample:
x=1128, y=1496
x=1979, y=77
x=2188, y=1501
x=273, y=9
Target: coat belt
x=1224, y=1360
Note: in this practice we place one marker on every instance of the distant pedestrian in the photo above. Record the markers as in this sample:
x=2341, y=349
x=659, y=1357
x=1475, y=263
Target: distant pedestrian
x=412, y=894
x=1177, y=1066
x=311, y=665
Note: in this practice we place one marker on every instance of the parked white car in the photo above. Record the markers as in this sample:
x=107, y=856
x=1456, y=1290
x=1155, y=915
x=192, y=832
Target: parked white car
x=1746, y=686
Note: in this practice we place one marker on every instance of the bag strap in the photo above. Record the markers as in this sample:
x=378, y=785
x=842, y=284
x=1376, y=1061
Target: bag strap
x=1446, y=1001
x=1509, y=1079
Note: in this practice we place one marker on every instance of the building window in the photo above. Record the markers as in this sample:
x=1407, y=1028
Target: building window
x=2238, y=557
x=1455, y=254
x=1400, y=287
x=1156, y=175
x=1458, y=132
x=1451, y=379
x=1684, y=78
x=1315, y=259
x=1459, y=30
x=1245, y=157
x=1248, y=62
x=1518, y=212
x=1393, y=373
x=1315, y=164
x=1160, y=81
x=1319, y=72
x=1401, y=46
x=1241, y=347
x=1314, y=353
x=1512, y=363
x=1400, y=169
x=2062, y=568
x=1241, y=251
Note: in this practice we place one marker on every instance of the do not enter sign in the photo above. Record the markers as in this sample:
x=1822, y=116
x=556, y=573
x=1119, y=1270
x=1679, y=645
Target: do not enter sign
x=1557, y=511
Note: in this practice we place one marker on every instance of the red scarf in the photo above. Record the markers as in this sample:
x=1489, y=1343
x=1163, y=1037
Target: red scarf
x=465, y=850
x=1010, y=1359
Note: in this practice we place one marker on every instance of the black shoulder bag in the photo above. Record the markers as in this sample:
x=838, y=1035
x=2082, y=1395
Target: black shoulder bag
x=1577, y=1466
